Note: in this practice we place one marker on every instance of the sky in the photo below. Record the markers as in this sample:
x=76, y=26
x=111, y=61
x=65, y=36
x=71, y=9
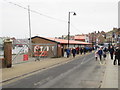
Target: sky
x=51, y=19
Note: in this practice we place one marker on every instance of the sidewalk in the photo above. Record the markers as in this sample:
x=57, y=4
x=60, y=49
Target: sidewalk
x=110, y=79
x=19, y=70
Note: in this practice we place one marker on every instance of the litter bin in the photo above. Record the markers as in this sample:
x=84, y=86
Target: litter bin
x=25, y=57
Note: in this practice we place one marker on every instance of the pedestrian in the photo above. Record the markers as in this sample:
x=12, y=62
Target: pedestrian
x=81, y=50
x=117, y=56
x=84, y=50
x=111, y=50
x=74, y=51
x=96, y=55
x=77, y=50
x=100, y=53
x=68, y=52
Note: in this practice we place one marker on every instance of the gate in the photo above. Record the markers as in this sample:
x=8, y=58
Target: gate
x=21, y=52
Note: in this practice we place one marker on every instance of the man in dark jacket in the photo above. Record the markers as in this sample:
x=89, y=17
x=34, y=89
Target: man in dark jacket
x=117, y=55
x=84, y=50
x=111, y=50
x=74, y=52
x=81, y=50
x=100, y=53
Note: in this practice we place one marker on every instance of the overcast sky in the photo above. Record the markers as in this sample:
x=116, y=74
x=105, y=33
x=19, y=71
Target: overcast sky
x=92, y=15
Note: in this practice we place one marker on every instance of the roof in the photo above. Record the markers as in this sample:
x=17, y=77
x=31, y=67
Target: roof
x=81, y=37
x=43, y=38
x=63, y=41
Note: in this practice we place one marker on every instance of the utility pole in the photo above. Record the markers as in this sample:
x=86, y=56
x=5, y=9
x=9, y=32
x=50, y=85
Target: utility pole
x=29, y=28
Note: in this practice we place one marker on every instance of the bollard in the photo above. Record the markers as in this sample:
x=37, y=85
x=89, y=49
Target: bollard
x=8, y=53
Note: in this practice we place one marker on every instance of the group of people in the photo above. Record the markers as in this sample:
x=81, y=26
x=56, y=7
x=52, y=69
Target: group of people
x=114, y=53
x=101, y=52
x=78, y=50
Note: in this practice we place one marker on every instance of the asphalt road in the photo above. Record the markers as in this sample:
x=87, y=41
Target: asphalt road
x=83, y=72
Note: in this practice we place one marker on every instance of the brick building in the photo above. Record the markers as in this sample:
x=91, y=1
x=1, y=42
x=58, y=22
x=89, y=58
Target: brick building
x=113, y=36
x=97, y=38
x=54, y=47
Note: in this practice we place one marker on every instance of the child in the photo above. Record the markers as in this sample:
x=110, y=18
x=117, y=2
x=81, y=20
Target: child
x=96, y=55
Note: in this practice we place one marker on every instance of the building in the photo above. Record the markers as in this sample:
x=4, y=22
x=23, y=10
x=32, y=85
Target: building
x=71, y=37
x=100, y=39
x=97, y=38
x=83, y=37
x=52, y=47
x=113, y=36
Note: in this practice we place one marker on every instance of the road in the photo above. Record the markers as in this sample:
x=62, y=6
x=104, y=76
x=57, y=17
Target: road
x=83, y=72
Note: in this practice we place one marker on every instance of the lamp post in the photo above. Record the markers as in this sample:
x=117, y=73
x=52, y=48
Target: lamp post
x=69, y=26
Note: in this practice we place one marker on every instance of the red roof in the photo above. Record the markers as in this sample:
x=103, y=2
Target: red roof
x=64, y=41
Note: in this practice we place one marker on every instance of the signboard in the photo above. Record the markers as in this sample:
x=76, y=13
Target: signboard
x=42, y=50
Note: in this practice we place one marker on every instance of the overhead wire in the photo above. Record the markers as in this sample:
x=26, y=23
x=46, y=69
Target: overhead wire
x=43, y=14
x=76, y=29
x=35, y=11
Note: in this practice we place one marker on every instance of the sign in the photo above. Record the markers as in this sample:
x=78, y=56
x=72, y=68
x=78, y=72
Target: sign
x=43, y=50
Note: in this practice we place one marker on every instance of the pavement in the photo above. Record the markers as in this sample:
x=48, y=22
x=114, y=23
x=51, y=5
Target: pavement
x=110, y=79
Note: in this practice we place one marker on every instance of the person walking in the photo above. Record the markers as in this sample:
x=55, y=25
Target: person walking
x=84, y=50
x=77, y=50
x=81, y=50
x=74, y=52
x=117, y=56
x=111, y=50
x=68, y=52
x=100, y=53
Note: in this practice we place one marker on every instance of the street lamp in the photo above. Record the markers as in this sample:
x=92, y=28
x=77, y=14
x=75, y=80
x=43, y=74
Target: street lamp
x=69, y=26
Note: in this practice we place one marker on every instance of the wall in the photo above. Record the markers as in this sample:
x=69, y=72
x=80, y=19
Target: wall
x=48, y=46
